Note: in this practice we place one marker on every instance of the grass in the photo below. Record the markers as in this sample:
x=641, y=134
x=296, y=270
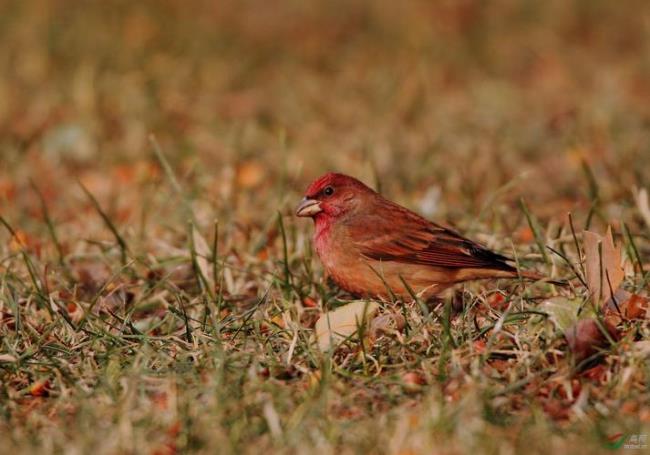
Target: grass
x=158, y=296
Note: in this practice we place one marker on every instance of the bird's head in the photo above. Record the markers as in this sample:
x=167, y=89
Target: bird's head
x=332, y=196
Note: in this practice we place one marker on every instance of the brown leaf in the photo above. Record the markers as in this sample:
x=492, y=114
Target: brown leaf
x=627, y=306
x=604, y=273
x=586, y=339
x=636, y=307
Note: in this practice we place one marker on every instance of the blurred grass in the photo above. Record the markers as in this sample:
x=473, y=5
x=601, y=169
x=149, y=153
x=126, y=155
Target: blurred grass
x=458, y=110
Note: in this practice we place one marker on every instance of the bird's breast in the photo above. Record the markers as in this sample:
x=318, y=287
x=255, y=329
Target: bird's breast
x=343, y=262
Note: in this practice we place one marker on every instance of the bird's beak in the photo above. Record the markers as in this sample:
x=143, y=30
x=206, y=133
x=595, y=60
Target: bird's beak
x=308, y=207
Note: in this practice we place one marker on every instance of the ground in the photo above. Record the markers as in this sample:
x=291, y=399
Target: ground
x=157, y=295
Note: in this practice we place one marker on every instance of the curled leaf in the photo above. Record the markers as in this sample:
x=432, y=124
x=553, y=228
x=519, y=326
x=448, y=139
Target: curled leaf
x=604, y=272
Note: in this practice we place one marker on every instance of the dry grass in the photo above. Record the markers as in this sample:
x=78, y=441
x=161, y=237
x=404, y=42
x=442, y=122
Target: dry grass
x=121, y=332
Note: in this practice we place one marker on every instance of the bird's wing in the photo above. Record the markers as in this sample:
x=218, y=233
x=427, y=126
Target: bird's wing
x=412, y=239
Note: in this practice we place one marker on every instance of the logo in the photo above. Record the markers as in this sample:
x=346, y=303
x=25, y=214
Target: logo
x=632, y=442
x=637, y=442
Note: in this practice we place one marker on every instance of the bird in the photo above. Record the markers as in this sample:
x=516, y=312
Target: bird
x=375, y=248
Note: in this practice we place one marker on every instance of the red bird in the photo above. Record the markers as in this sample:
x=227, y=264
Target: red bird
x=369, y=244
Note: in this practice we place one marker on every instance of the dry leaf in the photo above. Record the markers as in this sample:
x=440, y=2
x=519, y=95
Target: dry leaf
x=585, y=338
x=562, y=312
x=626, y=306
x=335, y=326
x=603, y=268
x=636, y=307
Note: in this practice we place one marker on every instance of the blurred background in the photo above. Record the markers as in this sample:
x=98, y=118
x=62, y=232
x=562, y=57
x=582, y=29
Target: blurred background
x=443, y=103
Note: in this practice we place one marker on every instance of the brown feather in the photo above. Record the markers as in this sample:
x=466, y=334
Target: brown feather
x=419, y=241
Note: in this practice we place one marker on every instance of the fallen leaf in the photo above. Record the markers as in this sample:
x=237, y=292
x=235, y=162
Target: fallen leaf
x=586, y=338
x=335, y=326
x=604, y=272
x=636, y=307
x=562, y=312
x=628, y=306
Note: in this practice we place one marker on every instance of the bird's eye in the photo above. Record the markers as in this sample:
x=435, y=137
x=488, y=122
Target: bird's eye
x=328, y=191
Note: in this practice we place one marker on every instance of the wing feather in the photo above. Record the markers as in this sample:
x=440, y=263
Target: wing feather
x=412, y=239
